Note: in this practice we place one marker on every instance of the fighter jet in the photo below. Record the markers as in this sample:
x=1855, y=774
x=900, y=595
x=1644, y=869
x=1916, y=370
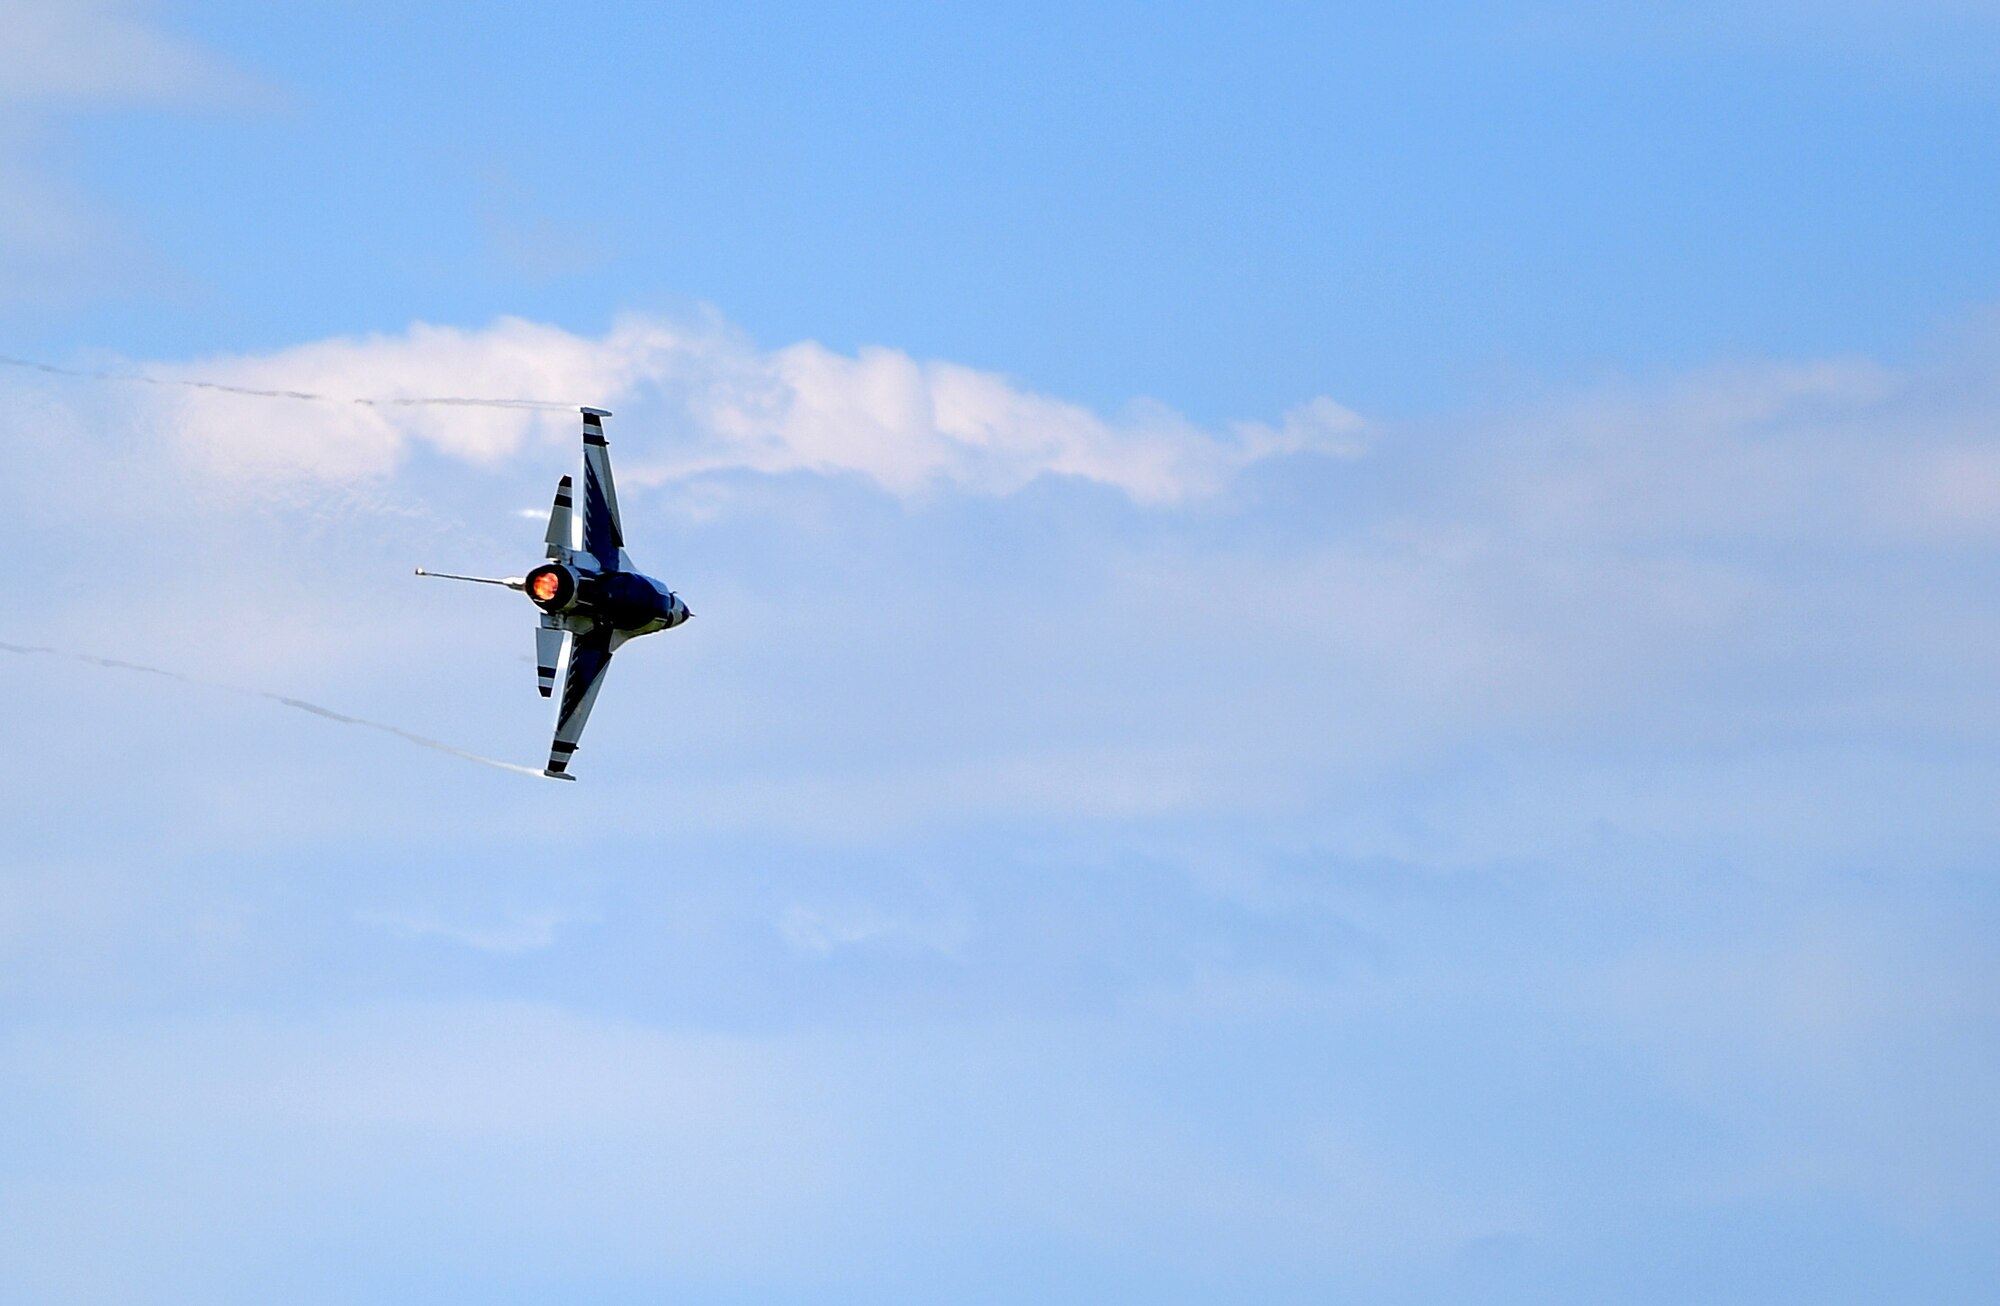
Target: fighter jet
x=590, y=597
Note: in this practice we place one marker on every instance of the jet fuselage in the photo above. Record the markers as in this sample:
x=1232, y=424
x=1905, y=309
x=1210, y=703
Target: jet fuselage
x=624, y=601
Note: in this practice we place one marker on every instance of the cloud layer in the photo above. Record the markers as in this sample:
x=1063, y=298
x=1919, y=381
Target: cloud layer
x=1465, y=864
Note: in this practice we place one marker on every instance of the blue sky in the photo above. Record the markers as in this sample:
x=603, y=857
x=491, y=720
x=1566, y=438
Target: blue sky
x=1342, y=655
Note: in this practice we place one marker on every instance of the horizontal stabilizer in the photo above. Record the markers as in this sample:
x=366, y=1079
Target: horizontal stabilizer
x=549, y=638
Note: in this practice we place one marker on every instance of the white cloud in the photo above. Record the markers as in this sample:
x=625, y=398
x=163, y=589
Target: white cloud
x=255, y=437
x=695, y=399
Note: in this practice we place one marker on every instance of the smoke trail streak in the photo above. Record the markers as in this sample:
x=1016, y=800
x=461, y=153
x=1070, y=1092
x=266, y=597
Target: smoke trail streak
x=419, y=401
x=300, y=704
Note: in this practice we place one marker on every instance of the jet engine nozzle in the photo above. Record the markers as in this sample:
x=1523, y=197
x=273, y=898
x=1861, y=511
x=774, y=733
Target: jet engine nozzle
x=553, y=587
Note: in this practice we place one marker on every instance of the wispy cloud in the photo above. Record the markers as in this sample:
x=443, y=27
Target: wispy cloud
x=823, y=930
x=105, y=53
x=59, y=61
x=511, y=934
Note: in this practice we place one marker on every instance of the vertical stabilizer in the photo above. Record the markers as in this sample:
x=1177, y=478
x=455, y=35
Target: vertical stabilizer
x=561, y=534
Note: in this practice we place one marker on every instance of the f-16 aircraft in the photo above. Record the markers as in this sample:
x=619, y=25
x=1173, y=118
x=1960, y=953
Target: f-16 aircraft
x=592, y=600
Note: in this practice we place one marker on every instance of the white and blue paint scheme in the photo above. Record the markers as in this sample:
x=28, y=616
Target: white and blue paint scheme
x=591, y=598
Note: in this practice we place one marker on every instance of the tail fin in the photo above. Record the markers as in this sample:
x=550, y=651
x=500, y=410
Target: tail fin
x=560, y=536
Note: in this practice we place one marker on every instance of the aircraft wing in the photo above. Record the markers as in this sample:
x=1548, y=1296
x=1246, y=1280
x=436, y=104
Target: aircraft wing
x=603, y=534
x=589, y=655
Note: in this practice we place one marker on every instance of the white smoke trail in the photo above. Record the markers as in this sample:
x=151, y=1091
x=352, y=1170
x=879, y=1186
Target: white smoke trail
x=300, y=704
x=417, y=401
